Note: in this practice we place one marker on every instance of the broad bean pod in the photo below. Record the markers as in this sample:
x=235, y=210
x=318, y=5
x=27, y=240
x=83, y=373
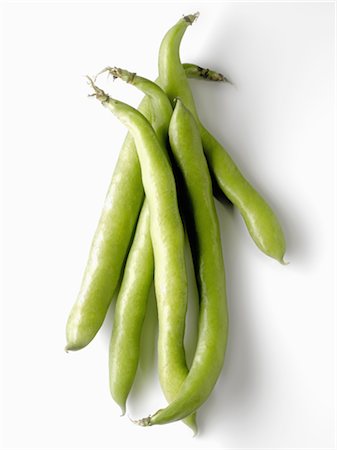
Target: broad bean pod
x=261, y=221
x=204, y=234
x=130, y=312
x=161, y=112
x=167, y=233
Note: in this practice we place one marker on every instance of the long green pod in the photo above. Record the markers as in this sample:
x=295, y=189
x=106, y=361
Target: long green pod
x=260, y=220
x=130, y=312
x=111, y=241
x=204, y=233
x=170, y=380
x=167, y=236
x=108, y=249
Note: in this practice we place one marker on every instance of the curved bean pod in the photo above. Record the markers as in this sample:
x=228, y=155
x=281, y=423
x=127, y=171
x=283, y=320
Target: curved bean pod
x=170, y=380
x=108, y=249
x=204, y=233
x=261, y=222
x=130, y=312
x=110, y=243
x=167, y=235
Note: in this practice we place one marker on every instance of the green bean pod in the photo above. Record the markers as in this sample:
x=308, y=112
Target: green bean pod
x=204, y=233
x=259, y=218
x=161, y=115
x=111, y=242
x=167, y=236
x=130, y=312
x=108, y=250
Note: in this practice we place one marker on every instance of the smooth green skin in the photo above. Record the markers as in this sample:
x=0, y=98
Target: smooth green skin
x=130, y=312
x=108, y=250
x=260, y=220
x=167, y=235
x=170, y=379
x=111, y=241
x=204, y=233
x=159, y=110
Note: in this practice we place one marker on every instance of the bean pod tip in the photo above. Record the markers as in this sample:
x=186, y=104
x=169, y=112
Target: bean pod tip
x=284, y=262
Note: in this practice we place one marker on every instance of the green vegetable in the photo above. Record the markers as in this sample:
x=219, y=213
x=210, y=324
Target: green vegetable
x=161, y=112
x=130, y=312
x=260, y=220
x=111, y=241
x=167, y=237
x=141, y=237
x=208, y=262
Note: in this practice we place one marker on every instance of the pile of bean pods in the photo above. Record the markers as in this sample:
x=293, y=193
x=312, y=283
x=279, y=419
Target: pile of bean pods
x=161, y=188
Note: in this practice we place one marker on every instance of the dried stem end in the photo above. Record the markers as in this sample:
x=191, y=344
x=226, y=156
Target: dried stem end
x=117, y=72
x=98, y=93
x=145, y=422
x=190, y=18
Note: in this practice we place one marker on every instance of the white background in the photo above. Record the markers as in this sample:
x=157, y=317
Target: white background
x=277, y=386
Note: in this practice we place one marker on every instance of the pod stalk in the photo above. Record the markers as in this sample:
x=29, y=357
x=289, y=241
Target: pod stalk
x=98, y=92
x=191, y=18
